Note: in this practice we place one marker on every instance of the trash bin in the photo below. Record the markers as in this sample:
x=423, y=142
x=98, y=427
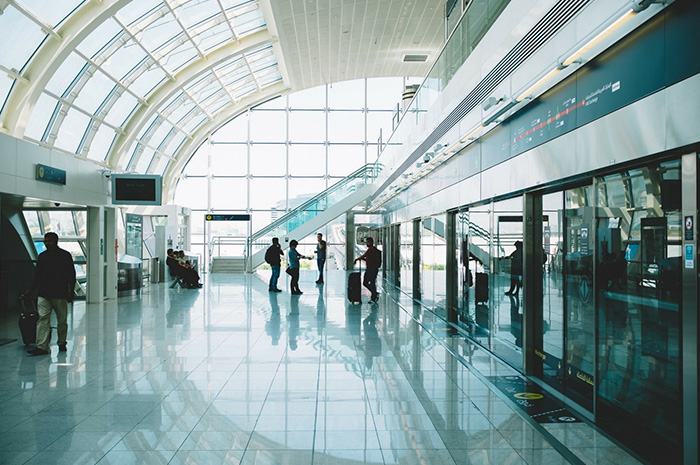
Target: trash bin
x=155, y=270
x=129, y=275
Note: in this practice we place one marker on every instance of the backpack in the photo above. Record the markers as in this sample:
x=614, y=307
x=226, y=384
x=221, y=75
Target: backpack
x=269, y=256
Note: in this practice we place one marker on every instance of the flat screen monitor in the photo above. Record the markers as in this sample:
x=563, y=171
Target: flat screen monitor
x=136, y=189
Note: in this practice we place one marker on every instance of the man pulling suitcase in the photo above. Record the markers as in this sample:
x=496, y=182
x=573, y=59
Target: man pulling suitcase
x=373, y=259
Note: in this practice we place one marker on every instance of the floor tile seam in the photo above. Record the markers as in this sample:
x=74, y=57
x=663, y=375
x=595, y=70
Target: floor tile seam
x=556, y=444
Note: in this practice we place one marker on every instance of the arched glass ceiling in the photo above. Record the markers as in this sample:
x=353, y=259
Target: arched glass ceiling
x=128, y=83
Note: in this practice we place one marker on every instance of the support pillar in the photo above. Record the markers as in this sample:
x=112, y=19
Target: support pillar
x=349, y=240
x=533, y=256
x=416, y=259
x=96, y=255
x=451, y=264
x=111, y=251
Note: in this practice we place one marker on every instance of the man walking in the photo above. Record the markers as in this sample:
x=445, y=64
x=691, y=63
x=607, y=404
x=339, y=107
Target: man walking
x=272, y=257
x=55, y=278
x=320, y=256
x=373, y=259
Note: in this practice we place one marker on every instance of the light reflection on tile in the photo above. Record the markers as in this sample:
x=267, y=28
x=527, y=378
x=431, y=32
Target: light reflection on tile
x=193, y=377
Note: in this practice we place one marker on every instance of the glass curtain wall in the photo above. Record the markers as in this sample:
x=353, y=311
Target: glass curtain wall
x=277, y=155
x=433, y=257
x=406, y=257
x=639, y=257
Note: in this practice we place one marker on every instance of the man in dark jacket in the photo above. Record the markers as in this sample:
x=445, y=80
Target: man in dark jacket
x=373, y=258
x=272, y=257
x=55, y=278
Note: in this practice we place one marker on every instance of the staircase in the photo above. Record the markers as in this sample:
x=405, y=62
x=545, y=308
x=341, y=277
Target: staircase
x=227, y=265
x=316, y=212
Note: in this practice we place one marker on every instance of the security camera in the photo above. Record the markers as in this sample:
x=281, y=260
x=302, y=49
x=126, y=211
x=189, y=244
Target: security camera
x=58, y=204
x=427, y=157
x=106, y=173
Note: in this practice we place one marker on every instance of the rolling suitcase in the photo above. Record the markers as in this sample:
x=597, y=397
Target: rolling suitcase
x=482, y=288
x=354, y=287
x=28, y=317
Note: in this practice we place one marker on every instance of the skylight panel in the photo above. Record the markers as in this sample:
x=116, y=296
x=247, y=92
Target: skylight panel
x=99, y=38
x=248, y=23
x=160, y=134
x=51, y=12
x=194, y=123
x=179, y=113
x=41, y=115
x=66, y=73
x=72, y=130
x=135, y=10
x=180, y=57
x=162, y=166
x=159, y=32
x=247, y=88
x=5, y=86
x=95, y=91
x=214, y=37
x=19, y=39
x=124, y=60
x=147, y=81
x=194, y=12
x=144, y=159
x=99, y=148
x=121, y=109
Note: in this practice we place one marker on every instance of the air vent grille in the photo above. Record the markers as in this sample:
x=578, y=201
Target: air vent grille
x=415, y=58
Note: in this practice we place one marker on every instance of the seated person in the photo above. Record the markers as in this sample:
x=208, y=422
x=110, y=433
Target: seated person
x=179, y=267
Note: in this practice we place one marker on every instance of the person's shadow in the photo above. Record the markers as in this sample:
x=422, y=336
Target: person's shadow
x=373, y=345
x=320, y=313
x=272, y=327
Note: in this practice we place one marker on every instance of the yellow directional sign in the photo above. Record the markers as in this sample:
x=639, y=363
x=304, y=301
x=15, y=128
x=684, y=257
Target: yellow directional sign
x=528, y=396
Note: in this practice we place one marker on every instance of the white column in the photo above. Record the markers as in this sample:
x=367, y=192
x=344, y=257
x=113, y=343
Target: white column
x=95, y=254
x=110, y=252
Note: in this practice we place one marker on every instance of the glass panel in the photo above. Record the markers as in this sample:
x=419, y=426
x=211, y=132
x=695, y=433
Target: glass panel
x=191, y=192
x=32, y=220
x=406, y=259
x=161, y=166
x=344, y=159
x=147, y=81
x=384, y=93
x=275, y=103
x=229, y=159
x=41, y=115
x=378, y=121
x=346, y=126
x=301, y=189
x=268, y=160
x=66, y=73
x=639, y=288
x=553, y=296
x=198, y=163
x=229, y=193
x=234, y=131
x=135, y=10
x=72, y=130
x=126, y=58
x=121, y=109
x=307, y=126
x=99, y=148
x=52, y=12
x=159, y=32
x=19, y=38
x=433, y=258
x=309, y=98
x=6, y=83
x=506, y=305
x=94, y=92
x=100, y=37
x=268, y=193
x=61, y=222
x=307, y=160
x=480, y=252
x=347, y=95
x=268, y=126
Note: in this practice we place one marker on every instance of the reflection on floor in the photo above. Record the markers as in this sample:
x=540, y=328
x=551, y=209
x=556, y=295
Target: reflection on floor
x=234, y=374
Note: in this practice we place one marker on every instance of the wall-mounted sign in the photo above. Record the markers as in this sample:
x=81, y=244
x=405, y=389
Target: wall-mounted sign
x=688, y=228
x=49, y=174
x=227, y=217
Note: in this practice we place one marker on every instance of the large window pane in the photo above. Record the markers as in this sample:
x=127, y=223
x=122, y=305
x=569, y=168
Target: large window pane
x=307, y=126
x=268, y=193
x=191, y=193
x=347, y=95
x=309, y=98
x=268, y=159
x=307, y=160
x=229, y=159
x=344, y=159
x=302, y=189
x=229, y=193
x=384, y=93
x=346, y=126
x=268, y=126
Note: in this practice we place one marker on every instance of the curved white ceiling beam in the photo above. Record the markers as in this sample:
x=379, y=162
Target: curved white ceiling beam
x=118, y=157
x=188, y=149
x=50, y=56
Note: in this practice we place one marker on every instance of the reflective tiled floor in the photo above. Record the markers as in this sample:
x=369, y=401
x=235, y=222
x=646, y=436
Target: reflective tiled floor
x=233, y=374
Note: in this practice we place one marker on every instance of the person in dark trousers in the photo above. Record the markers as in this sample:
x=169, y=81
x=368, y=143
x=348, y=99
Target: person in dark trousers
x=294, y=258
x=55, y=278
x=178, y=267
x=516, y=268
x=272, y=257
x=320, y=256
x=373, y=259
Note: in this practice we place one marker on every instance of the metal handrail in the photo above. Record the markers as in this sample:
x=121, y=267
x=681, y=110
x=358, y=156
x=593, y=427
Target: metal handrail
x=366, y=173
